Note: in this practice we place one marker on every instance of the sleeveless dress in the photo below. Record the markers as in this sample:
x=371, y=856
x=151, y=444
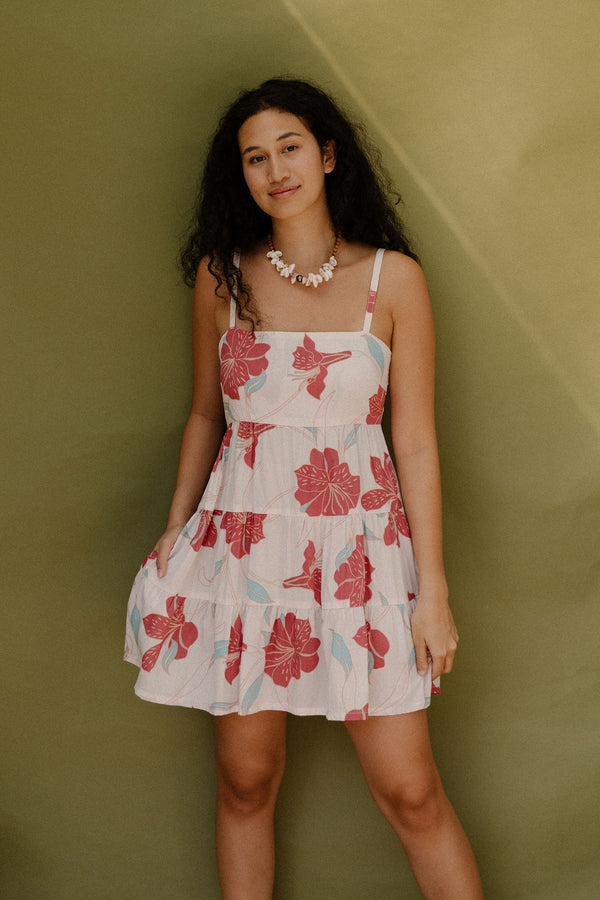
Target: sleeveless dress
x=293, y=584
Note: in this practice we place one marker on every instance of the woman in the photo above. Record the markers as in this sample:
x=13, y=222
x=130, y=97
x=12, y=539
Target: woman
x=293, y=586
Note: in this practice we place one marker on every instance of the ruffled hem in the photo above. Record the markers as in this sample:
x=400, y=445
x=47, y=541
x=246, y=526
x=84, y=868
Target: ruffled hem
x=345, y=663
x=330, y=715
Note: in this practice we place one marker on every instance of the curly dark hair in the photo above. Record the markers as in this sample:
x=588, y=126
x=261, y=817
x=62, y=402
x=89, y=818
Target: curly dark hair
x=361, y=201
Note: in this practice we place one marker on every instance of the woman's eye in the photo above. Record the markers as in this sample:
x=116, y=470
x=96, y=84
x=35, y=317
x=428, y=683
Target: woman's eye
x=255, y=159
x=290, y=147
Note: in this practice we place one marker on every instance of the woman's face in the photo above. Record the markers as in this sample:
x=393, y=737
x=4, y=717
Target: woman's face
x=283, y=165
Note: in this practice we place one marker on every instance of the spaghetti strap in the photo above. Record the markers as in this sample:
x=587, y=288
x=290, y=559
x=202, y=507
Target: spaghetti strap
x=233, y=295
x=373, y=289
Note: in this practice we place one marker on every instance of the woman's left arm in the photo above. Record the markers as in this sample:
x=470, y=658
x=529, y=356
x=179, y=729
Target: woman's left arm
x=412, y=373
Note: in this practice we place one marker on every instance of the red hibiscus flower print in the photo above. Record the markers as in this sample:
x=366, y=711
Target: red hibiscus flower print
x=375, y=641
x=376, y=404
x=397, y=524
x=206, y=534
x=150, y=556
x=357, y=714
x=224, y=445
x=248, y=433
x=291, y=650
x=311, y=573
x=354, y=576
x=308, y=359
x=234, y=650
x=242, y=529
x=326, y=487
x=241, y=359
x=384, y=475
x=171, y=629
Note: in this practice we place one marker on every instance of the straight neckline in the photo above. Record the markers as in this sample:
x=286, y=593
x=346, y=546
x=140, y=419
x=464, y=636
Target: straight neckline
x=310, y=333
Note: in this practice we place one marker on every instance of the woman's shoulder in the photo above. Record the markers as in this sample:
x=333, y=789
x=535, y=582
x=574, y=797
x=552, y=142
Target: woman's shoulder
x=399, y=266
x=208, y=289
x=395, y=265
x=402, y=284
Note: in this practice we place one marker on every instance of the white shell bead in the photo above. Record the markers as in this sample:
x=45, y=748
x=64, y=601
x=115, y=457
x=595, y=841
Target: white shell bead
x=325, y=272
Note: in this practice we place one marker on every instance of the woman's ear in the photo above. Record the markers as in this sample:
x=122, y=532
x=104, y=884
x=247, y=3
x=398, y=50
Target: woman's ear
x=329, y=156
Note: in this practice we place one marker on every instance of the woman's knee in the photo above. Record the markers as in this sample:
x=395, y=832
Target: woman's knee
x=417, y=805
x=248, y=785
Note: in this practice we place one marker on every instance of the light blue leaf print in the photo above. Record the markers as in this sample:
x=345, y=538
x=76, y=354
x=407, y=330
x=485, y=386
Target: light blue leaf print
x=340, y=651
x=251, y=694
x=135, y=621
x=383, y=599
x=257, y=592
x=412, y=659
x=351, y=439
x=220, y=649
x=343, y=554
x=218, y=566
x=313, y=431
x=170, y=655
x=369, y=534
x=371, y=662
x=376, y=352
x=255, y=383
x=220, y=704
x=268, y=612
x=185, y=533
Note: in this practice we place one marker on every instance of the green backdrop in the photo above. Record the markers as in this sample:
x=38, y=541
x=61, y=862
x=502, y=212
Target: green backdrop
x=485, y=115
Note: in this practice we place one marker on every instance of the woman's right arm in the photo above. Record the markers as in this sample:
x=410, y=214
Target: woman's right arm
x=206, y=423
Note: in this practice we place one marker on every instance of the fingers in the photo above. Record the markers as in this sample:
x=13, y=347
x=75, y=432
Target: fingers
x=164, y=547
x=162, y=560
x=443, y=661
x=439, y=649
x=422, y=659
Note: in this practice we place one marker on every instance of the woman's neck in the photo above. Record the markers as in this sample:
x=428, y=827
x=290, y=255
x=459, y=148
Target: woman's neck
x=307, y=244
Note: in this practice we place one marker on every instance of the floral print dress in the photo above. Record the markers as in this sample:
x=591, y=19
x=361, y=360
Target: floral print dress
x=293, y=584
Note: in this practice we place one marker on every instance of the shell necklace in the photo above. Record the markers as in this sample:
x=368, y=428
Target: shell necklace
x=287, y=270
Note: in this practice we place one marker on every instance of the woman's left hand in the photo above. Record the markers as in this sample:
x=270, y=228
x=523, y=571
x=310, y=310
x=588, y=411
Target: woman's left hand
x=434, y=631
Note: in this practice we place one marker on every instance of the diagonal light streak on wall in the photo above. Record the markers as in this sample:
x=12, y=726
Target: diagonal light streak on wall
x=567, y=382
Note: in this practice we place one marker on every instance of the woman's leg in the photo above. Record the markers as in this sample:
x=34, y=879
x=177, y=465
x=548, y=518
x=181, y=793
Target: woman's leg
x=396, y=758
x=250, y=758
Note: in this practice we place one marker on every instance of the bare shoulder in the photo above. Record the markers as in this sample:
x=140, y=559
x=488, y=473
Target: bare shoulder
x=405, y=299
x=209, y=307
x=402, y=283
x=206, y=282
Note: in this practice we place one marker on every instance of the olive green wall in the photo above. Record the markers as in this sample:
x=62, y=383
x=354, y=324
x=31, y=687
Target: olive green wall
x=485, y=114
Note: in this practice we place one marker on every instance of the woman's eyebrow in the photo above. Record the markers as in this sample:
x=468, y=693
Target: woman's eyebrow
x=281, y=137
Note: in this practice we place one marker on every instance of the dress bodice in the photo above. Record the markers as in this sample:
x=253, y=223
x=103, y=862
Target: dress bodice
x=304, y=379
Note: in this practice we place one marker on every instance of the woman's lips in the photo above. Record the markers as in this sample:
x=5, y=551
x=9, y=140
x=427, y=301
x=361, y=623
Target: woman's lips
x=282, y=193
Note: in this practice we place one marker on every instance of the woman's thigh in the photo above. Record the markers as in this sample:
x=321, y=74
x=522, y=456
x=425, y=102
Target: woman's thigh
x=396, y=757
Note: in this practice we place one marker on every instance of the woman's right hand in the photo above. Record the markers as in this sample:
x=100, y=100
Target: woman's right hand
x=163, y=546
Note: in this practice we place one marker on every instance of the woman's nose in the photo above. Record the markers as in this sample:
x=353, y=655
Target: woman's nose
x=278, y=170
